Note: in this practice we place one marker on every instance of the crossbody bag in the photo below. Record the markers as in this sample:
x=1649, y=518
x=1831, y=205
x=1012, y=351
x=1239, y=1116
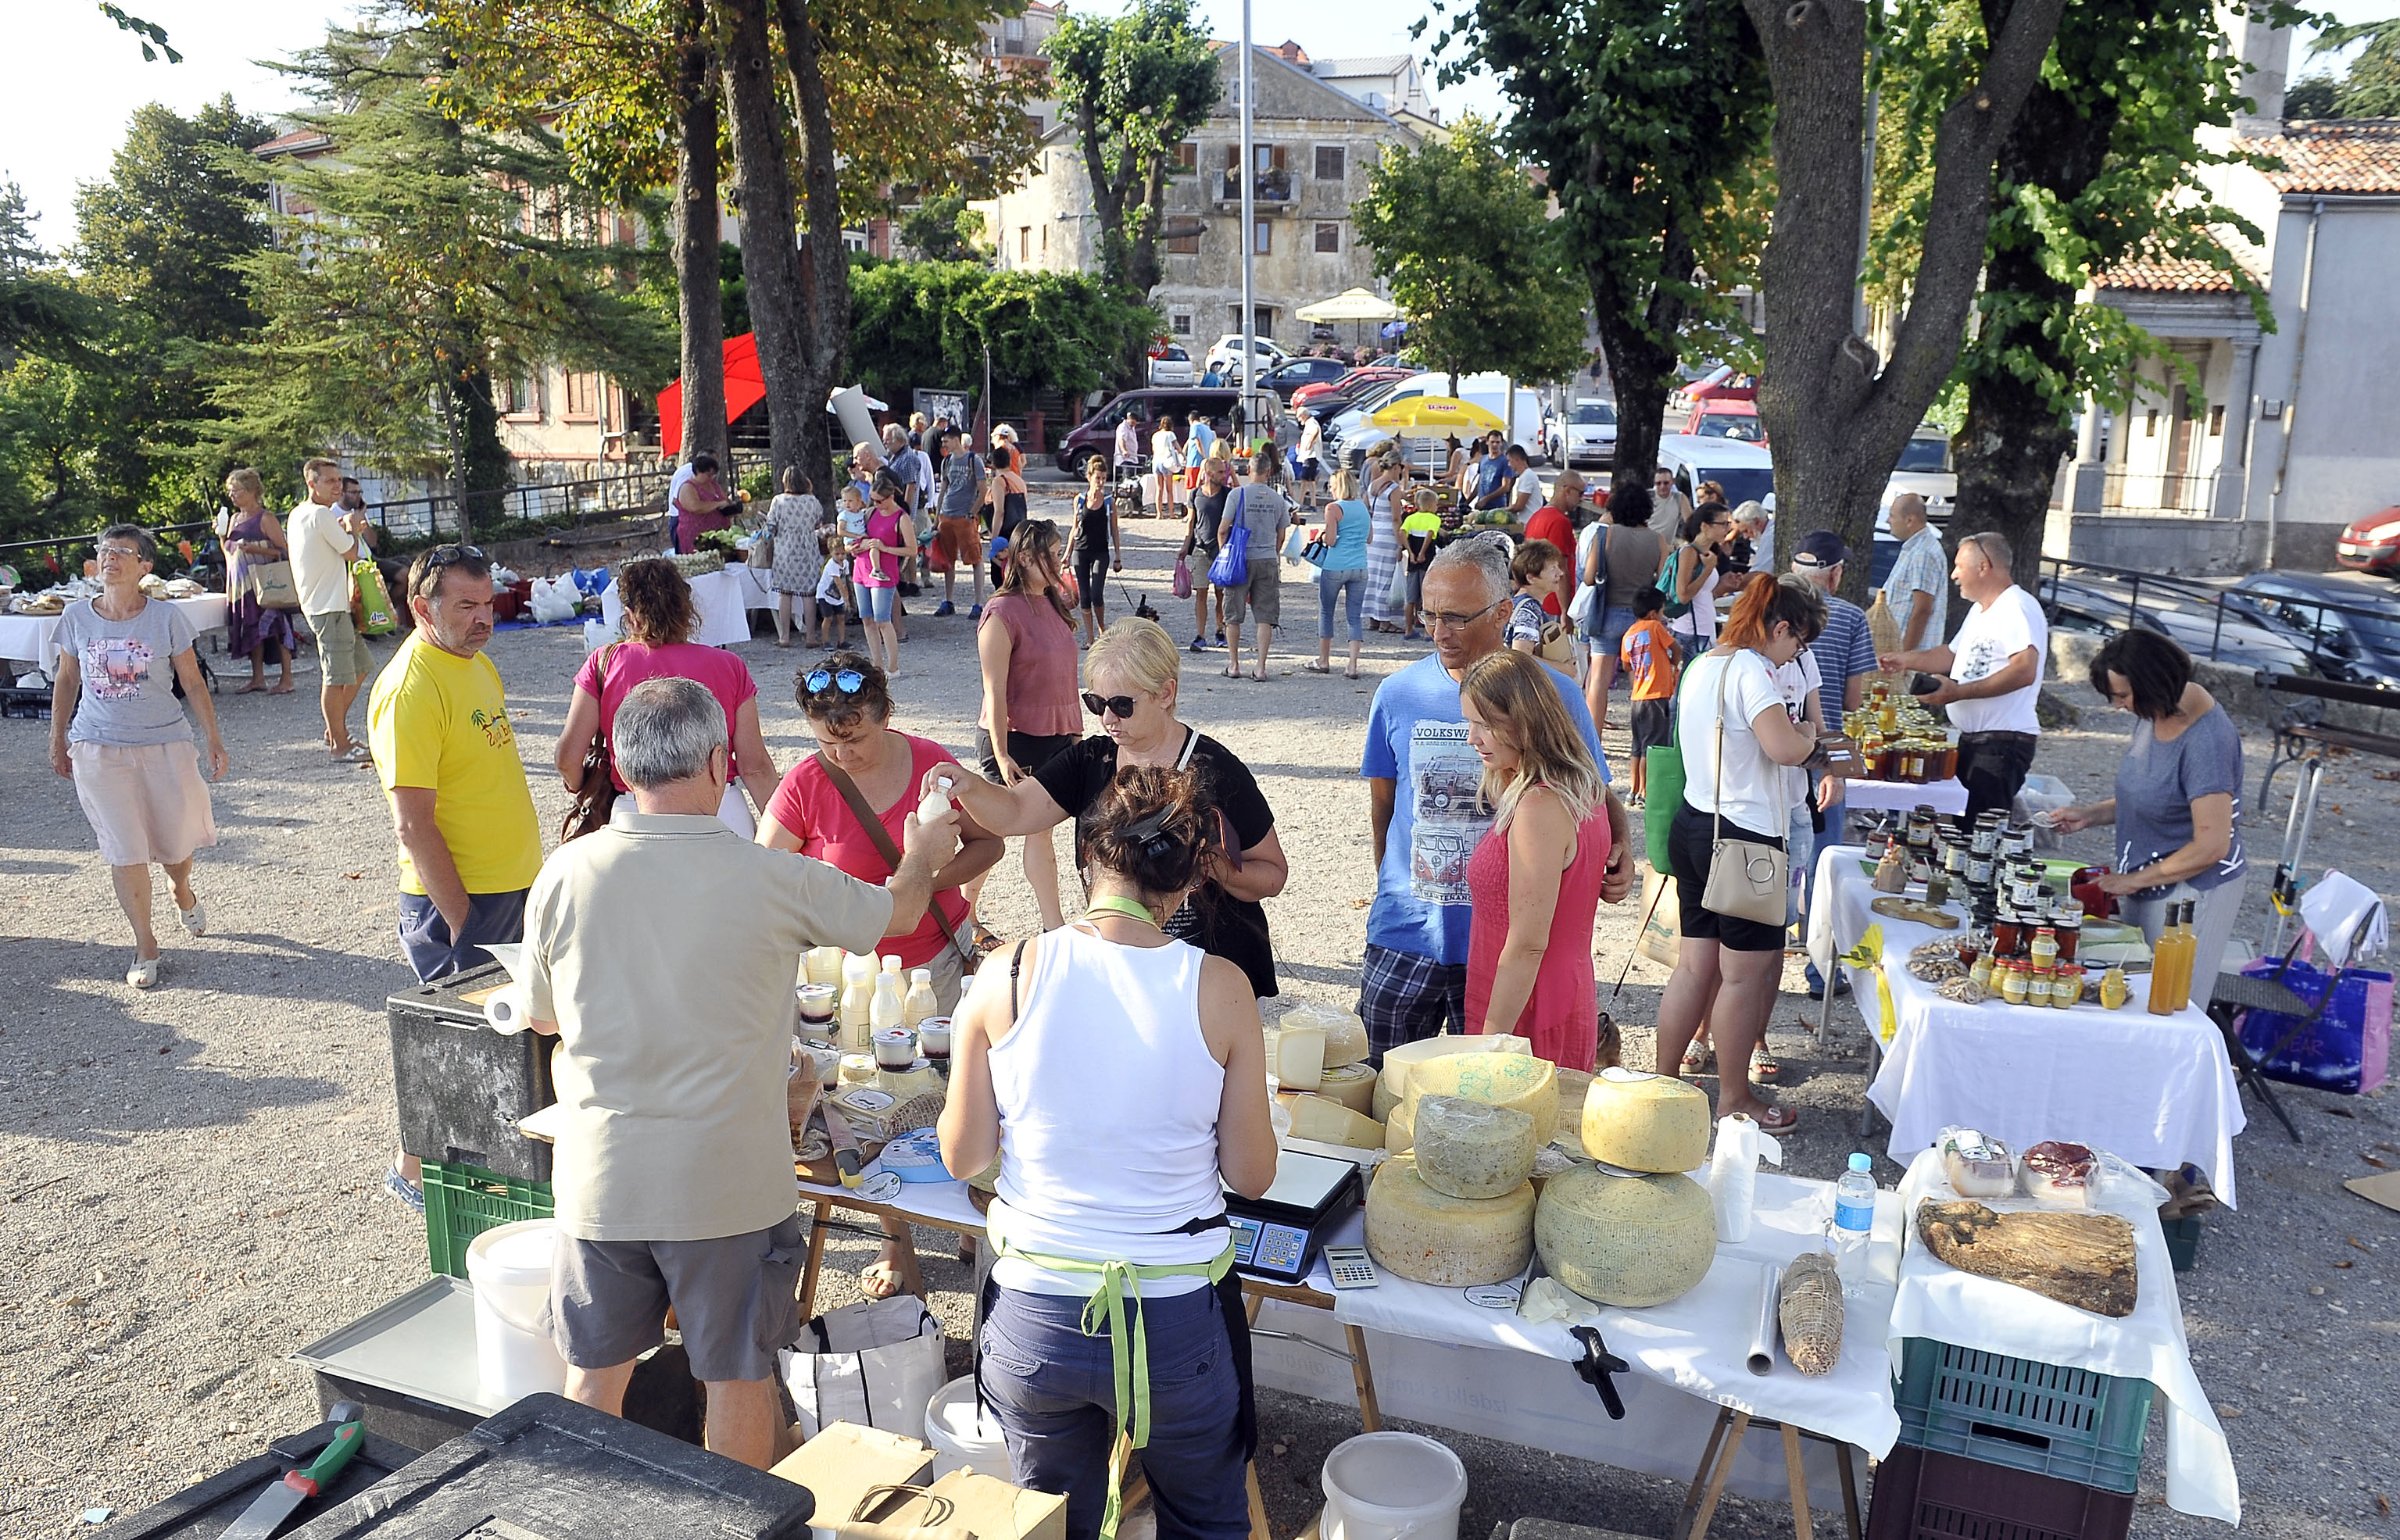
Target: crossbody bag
x=872, y=825
x=1747, y=880
x=595, y=797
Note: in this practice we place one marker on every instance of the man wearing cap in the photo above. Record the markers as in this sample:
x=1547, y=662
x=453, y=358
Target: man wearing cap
x=1845, y=656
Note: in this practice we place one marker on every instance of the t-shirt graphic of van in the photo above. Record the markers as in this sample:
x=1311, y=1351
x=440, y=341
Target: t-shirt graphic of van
x=1449, y=793
x=497, y=731
x=1437, y=860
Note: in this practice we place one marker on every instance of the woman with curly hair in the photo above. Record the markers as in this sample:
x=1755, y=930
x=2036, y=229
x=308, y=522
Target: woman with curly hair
x=659, y=619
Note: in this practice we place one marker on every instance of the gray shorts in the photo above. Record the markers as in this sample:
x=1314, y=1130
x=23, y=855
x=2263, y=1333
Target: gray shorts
x=736, y=1299
x=1261, y=599
x=341, y=651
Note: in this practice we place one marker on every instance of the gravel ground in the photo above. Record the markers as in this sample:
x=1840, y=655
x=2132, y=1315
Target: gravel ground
x=190, y=1178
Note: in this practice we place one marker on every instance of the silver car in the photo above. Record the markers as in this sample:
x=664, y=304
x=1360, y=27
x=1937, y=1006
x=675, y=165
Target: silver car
x=1925, y=469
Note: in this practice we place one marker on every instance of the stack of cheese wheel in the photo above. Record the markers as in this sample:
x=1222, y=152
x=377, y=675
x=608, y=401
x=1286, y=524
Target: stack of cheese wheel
x=1472, y=1149
x=1329, y=1121
x=1643, y=1234
x=1310, y=1040
x=1519, y=1081
x=1417, y=1232
x=1394, y=1082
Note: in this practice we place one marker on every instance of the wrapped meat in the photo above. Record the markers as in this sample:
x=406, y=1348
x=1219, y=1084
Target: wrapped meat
x=1977, y=1164
x=2061, y=1174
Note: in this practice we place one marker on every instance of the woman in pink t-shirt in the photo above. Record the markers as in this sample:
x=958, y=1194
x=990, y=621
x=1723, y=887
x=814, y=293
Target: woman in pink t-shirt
x=889, y=550
x=659, y=617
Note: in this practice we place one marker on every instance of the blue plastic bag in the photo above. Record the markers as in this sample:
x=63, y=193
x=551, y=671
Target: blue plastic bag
x=2347, y=1047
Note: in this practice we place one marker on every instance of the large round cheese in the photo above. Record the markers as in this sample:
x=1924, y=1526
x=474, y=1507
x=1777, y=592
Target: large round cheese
x=1470, y=1149
x=1645, y=1122
x=1399, y=1061
x=1430, y=1237
x=1345, y=1035
x=1399, y=1128
x=1626, y=1241
x=1351, y=1085
x=1520, y=1081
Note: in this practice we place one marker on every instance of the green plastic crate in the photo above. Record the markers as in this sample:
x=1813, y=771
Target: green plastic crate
x=2183, y=1241
x=461, y=1202
x=2049, y=1419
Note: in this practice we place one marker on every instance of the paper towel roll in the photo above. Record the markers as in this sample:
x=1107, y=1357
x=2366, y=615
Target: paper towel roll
x=1732, y=1173
x=504, y=1009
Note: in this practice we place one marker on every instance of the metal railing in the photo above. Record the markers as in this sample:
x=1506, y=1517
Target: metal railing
x=1266, y=187
x=2123, y=491
x=2299, y=623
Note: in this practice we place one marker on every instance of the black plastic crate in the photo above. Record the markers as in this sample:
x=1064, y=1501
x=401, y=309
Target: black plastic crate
x=2050, y=1419
x=1924, y=1494
x=459, y=1086
x=550, y=1469
x=210, y=1507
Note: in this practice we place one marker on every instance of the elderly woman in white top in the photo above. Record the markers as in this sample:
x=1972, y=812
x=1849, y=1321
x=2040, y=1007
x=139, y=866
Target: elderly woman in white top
x=118, y=732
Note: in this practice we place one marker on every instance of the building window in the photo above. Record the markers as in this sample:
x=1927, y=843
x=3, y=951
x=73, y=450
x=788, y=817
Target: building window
x=1262, y=236
x=1011, y=35
x=1328, y=239
x=1183, y=245
x=1187, y=156
x=2150, y=423
x=1025, y=243
x=582, y=398
x=1046, y=241
x=1181, y=323
x=2216, y=422
x=516, y=398
x=1332, y=163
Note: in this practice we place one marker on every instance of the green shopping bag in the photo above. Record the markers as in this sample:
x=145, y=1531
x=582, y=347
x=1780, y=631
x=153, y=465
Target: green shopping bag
x=1662, y=793
x=370, y=607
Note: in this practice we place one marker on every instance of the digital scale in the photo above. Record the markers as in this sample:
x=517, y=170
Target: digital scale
x=1276, y=1234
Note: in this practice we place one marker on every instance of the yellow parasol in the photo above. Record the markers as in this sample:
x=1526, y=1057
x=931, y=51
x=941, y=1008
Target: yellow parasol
x=1433, y=416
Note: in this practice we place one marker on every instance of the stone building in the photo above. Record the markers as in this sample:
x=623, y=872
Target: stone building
x=1314, y=149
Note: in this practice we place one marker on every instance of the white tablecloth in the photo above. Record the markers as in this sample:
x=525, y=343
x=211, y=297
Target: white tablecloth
x=28, y=637
x=1938, y=1300
x=722, y=599
x=1947, y=798
x=2157, y=1090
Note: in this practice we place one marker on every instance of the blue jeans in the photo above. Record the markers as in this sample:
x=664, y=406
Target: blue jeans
x=1348, y=587
x=435, y=953
x=1052, y=1391
x=1836, y=814
x=874, y=604
x=1800, y=851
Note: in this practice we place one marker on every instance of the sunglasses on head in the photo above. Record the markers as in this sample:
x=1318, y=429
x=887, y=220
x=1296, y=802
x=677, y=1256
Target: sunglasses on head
x=848, y=681
x=1103, y=705
x=441, y=556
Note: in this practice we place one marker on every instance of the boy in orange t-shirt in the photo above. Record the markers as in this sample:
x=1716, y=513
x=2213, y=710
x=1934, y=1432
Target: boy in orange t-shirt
x=1653, y=663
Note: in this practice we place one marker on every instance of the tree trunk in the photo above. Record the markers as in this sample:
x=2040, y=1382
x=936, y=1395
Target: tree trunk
x=1837, y=414
x=1641, y=357
x=2009, y=447
x=484, y=464
x=824, y=286
x=771, y=254
x=698, y=294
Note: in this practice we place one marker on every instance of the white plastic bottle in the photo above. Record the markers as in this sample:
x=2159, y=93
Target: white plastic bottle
x=857, y=999
x=887, y=1009
x=937, y=798
x=920, y=1003
x=1854, y=1204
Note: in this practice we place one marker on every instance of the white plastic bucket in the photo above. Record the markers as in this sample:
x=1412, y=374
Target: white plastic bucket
x=1392, y=1486
x=960, y=1438
x=509, y=1267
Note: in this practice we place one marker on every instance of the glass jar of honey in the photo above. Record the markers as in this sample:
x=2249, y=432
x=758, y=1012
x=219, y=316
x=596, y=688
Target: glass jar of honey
x=2038, y=984
x=2066, y=986
x=2012, y=983
x=2045, y=947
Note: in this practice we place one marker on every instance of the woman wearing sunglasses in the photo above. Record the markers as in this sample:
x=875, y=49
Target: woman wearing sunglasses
x=1132, y=676
x=864, y=766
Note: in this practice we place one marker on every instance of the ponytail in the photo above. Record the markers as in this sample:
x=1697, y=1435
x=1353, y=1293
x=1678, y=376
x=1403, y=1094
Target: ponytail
x=1767, y=601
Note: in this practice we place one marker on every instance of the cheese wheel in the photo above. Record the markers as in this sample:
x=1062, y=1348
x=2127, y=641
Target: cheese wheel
x=1529, y=1085
x=1472, y=1150
x=1426, y=1236
x=1626, y=1241
x=1345, y=1035
x=1380, y=1105
x=1399, y=1061
x=1331, y=1123
x=1300, y=1058
x=1645, y=1122
x=1351, y=1085
x=1399, y=1129
x=1575, y=1085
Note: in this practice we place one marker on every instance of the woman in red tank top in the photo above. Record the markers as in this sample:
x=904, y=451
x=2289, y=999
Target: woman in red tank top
x=1536, y=877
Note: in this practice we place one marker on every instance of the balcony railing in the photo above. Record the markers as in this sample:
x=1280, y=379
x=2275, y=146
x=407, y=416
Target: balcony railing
x=2123, y=491
x=1266, y=187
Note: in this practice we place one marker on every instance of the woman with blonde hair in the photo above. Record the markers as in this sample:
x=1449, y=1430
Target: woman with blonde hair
x=1535, y=879
x=254, y=538
x=1341, y=576
x=1132, y=677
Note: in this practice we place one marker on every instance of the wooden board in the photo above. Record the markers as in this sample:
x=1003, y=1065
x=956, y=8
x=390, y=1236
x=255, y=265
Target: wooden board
x=2083, y=1259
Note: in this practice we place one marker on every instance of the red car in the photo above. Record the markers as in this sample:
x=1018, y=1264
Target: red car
x=2371, y=544
x=1349, y=387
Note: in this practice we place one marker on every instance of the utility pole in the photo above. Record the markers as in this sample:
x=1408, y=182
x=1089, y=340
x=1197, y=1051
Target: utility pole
x=1250, y=241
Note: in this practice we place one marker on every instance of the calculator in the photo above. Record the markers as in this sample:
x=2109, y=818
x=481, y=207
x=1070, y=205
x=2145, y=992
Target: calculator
x=1350, y=1268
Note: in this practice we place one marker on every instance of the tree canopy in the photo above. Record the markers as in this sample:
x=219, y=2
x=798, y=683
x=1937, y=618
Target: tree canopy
x=928, y=324
x=1133, y=86
x=2368, y=87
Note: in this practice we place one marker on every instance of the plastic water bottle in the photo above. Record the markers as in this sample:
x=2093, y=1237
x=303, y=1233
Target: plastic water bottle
x=1854, y=1202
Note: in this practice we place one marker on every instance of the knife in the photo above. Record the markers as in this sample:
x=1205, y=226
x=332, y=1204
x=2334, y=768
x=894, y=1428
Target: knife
x=267, y=1513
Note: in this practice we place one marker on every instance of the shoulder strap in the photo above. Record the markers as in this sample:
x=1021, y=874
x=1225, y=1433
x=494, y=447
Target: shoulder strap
x=872, y=827
x=1016, y=964
x=1190, y=746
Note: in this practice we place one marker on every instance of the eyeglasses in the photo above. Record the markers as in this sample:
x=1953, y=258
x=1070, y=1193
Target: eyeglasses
x=848, y=681
x=441, y=556
x=1120, y=706
x=1457, y=622
x=131, y=553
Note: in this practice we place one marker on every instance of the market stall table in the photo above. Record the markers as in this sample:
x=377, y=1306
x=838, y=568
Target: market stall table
x=722, y=599
x=28, y=638
x=2155, y=1089
x=1941, y=1302
x=1946, y=797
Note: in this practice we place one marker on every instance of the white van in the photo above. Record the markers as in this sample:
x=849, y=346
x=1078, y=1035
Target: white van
x=1745, y=470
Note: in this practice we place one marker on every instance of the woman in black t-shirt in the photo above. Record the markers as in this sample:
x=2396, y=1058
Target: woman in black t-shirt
x=1099, y=548
x=1132, y=676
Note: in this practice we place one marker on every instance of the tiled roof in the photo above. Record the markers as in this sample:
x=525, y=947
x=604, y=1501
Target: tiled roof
x=2334, y=156
x=298, y=139
x=2176, y=274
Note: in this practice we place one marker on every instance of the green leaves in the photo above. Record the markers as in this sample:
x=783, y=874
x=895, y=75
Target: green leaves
x=1135, y=86
x=152, y=36
x=928, y=322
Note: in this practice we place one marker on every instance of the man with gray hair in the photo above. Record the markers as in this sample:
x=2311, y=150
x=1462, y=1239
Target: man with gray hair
x=661, y=950
x=1994, y=667
x=1415, y=977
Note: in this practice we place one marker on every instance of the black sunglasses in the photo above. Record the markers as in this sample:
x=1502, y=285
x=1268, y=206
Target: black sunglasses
x=1103, y=705
x=848, y=681
x=441, y=556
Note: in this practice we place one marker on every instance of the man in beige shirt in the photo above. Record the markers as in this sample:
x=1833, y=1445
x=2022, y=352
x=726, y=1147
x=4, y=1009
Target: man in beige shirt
x=663, y=953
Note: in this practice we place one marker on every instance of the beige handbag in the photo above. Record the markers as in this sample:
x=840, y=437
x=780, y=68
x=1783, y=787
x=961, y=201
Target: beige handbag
x=1747, y=880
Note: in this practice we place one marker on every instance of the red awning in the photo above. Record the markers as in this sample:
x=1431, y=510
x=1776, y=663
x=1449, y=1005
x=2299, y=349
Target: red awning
x=745, y=388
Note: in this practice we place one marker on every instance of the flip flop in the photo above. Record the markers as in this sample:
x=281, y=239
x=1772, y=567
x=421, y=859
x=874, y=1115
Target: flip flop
x=1316, y=668
x=879, y=1280
x=278, y=689
x=253, y=689
x=1233, y=673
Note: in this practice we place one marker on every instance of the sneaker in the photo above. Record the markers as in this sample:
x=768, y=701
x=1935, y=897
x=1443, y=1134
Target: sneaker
x=404, y=1189
x=1816, y=984
x=945, y=608
x=976, y=614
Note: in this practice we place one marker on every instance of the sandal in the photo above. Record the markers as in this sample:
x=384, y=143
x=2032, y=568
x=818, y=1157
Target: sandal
x=1316, y=668
x=144, y=974
x=1762, y=1067
x=195, y=918
x=1233, y=673
x=1777, y=1120
x=357, y=753
x=255, y=687
x=986, y=939
x=879, y=1280
x=1697, y=1055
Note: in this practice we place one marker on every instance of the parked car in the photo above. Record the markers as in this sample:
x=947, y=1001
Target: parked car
x=2371, y=544
x=2361, y=635
x=2102, y=609
x=1335, y=394
x=1588, y=436
x=1727, y=419
x=1745, y=470
x=1096, y=434
x=1285, y=379
x=1925, y=469
x=1172, y=366
x=1354, y=432
x=1228, y=352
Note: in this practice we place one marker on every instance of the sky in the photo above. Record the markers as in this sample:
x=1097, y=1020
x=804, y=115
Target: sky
x=60, y=125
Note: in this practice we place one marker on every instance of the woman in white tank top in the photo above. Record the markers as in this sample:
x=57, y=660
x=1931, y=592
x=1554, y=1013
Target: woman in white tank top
x=1120, y=1077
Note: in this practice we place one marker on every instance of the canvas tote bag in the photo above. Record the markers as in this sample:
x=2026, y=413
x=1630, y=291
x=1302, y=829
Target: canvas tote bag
x=1745, y=880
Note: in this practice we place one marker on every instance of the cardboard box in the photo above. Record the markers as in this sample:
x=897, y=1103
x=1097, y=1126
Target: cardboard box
x=845, y=1461
x=989, y=1507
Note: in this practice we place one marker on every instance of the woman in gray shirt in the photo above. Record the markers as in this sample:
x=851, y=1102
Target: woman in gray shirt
x=117, y=731
x=1263, y=511
x=2178, y=803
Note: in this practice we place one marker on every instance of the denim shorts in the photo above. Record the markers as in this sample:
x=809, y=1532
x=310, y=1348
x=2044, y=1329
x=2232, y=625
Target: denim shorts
x=874, y=604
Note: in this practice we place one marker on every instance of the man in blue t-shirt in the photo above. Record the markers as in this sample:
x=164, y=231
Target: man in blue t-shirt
x=1845, y=655
x=1416, y=977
